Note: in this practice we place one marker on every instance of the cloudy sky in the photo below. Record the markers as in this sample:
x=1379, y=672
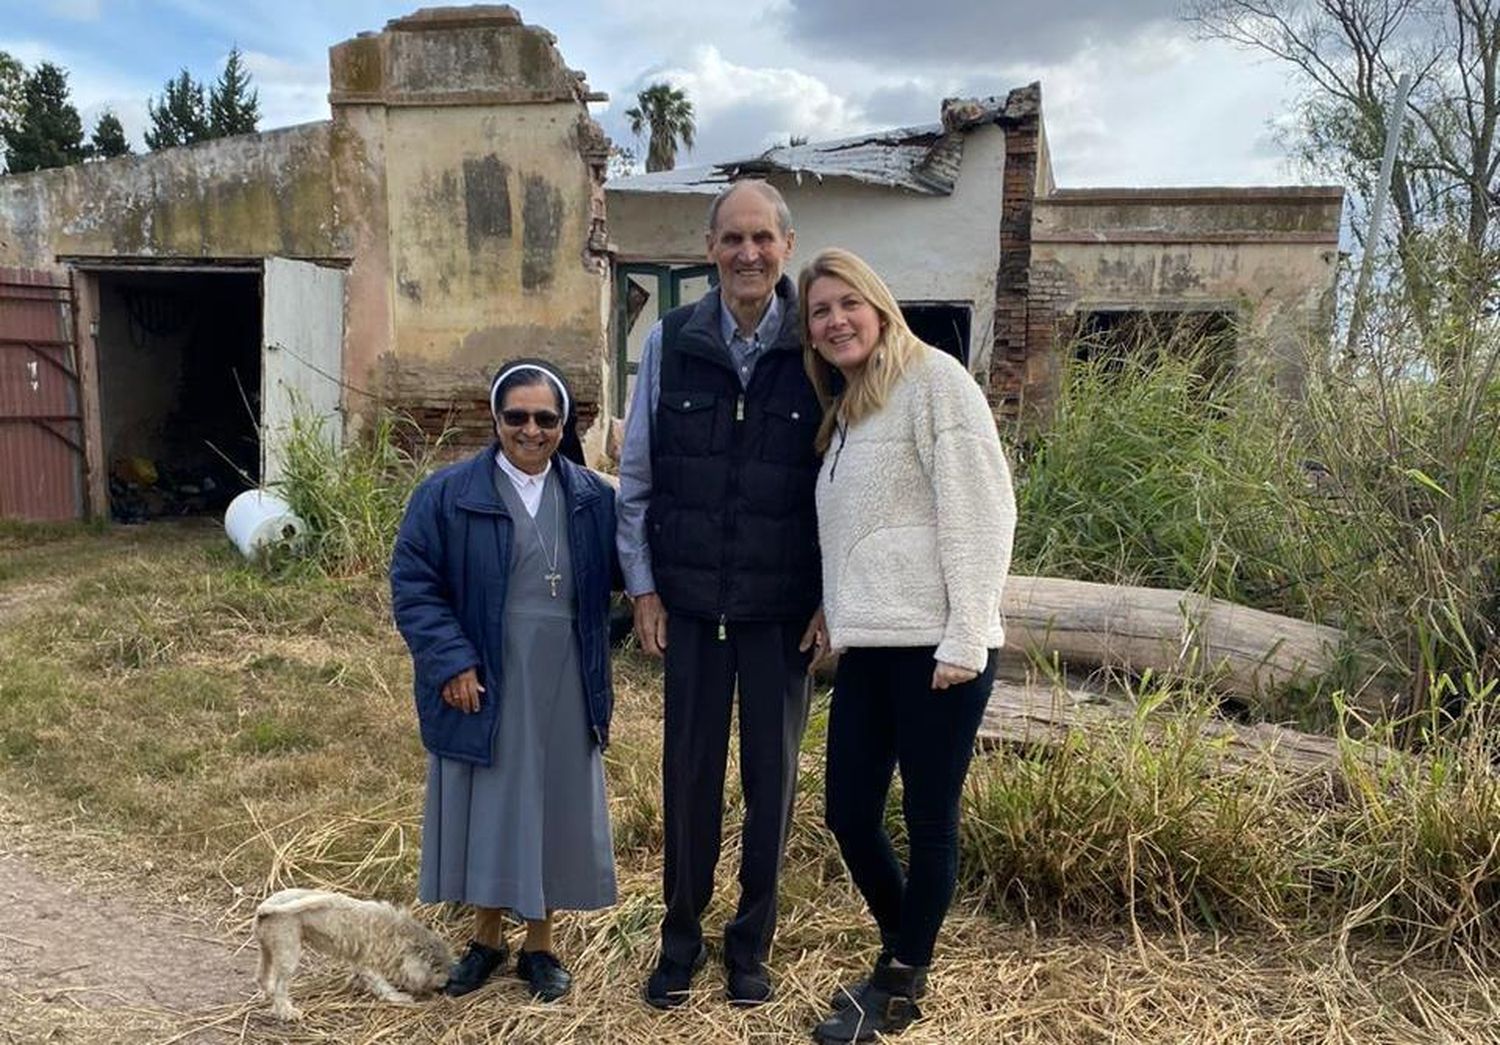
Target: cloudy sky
x=1129, y=96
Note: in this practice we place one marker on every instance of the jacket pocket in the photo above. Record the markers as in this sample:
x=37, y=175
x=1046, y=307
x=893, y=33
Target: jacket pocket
x=892, y=580
x=788, y=435
x=687, y=424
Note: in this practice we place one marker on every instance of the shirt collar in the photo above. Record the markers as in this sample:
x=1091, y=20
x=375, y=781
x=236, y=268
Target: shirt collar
x=765, y=331
x=520, y=478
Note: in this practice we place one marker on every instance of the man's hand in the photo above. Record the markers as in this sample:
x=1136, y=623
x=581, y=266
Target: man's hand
x=815, y=638
x=462, y=691
x=945, y=675
x=650, y=622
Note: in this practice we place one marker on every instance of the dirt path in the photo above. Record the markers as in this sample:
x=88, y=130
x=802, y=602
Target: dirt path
x=69, y=946
x=78, y=944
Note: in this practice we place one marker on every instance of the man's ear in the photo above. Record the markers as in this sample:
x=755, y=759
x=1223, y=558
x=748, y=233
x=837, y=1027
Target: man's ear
x=791, y=241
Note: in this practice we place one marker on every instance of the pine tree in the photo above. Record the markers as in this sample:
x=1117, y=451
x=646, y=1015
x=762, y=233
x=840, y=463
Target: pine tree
x=49, y=134
x=181, y=116
x=109, y=137
x=233, y=108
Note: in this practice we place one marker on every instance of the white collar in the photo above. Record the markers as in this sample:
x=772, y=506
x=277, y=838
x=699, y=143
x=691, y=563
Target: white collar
x=520, y=478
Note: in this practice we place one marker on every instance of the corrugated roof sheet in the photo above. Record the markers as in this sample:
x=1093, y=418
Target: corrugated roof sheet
x=923, y=159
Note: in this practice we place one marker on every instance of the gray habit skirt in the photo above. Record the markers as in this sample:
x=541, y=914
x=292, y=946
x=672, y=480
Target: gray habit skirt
x=531, y=831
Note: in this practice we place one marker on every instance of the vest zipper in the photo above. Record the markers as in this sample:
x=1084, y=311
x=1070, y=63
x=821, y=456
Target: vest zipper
x=722, y=633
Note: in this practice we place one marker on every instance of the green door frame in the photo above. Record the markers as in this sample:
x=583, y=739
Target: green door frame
x=669, y=280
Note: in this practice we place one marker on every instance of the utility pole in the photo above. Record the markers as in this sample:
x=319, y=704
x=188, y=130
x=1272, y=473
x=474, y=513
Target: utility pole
x=1377, y=215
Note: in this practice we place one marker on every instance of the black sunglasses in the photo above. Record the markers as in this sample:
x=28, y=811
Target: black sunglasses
x=546, y=420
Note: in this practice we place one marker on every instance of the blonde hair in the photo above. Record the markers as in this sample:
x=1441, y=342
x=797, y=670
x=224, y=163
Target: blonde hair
x=865, y=392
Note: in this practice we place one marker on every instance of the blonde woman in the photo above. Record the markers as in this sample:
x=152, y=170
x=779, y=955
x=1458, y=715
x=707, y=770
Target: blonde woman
x=915, y=520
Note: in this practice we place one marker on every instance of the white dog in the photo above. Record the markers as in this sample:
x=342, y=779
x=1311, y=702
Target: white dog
x=392, y=953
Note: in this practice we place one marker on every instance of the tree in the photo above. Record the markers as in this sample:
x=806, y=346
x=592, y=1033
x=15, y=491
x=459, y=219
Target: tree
x=12, y=94
x=666, y=113
x=1347, y=55
x=233, y=108
x=109, y=137
x=180, y=118
x=49, y=133
x=622, y=162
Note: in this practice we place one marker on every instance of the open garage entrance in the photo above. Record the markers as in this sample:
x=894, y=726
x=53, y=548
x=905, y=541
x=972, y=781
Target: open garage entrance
x=201, y=367
x=179, y=389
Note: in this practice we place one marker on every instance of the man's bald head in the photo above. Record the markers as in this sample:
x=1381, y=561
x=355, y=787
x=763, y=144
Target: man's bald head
x=765, y=190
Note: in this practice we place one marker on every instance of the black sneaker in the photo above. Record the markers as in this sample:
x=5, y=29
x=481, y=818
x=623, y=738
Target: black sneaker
x=544, y=974
x=476, y=966
x=668, y=986
x=747, y=987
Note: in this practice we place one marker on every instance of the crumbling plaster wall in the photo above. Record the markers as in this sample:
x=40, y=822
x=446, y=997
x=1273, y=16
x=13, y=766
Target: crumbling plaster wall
x=1269, y=256
x=460, y=179
x=472, y=179
x=246, y=196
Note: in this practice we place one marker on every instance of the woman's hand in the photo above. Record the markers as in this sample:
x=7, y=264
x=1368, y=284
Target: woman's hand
x=945, y=675
x=462, y=691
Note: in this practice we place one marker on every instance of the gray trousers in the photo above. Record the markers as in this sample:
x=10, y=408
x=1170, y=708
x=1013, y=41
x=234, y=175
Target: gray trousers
x=701, y=675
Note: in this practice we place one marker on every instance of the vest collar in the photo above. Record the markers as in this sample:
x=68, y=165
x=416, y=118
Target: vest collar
x=706, y=329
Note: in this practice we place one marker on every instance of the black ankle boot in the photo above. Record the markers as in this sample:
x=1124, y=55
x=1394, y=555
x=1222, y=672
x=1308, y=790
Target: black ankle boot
x=845, y=996
x=886, y=1005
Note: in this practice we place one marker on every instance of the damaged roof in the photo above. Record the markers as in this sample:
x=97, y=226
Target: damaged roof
x=923, y=159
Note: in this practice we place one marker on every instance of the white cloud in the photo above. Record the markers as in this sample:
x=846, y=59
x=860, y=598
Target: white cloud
x=290, y=92
x=77, y=10
x=741, y=110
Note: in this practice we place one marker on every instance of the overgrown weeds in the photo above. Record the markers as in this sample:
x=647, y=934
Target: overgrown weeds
x=1369, y=501
x=353, y=496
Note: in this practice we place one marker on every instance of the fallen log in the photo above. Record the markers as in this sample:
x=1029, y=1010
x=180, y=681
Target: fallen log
x=1030, y=714
x=1238, y=650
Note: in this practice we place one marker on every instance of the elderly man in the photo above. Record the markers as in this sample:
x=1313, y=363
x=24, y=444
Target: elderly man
x=718, y=539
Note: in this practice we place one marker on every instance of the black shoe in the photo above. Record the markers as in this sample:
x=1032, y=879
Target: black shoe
x=885, y=1006
x=668, y=986
x=544, y=974
x=846, y=996
x=476, y=966
x=747, y=987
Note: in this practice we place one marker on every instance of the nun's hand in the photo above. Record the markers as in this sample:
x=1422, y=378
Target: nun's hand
x=462, y=691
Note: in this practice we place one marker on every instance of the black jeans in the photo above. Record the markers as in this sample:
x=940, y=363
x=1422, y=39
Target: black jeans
x=703, y=671
x=885, y=715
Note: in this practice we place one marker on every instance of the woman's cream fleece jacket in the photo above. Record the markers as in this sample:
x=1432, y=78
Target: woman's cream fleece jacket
x=915, y=517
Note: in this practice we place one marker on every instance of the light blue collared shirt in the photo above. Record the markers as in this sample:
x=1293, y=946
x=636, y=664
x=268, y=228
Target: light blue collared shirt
x=640, y=418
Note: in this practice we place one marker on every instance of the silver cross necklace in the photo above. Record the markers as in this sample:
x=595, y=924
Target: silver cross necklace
x=552, y=576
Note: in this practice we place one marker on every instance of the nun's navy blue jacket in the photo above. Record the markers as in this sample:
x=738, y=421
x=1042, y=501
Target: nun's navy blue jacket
x=448, y=581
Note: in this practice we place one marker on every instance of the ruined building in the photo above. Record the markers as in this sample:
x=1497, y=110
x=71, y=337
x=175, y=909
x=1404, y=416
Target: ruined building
x=994, y=263
x=176, y=307
x=162, y=317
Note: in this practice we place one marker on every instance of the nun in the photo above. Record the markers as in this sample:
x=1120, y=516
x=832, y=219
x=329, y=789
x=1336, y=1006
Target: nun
x=500, y=586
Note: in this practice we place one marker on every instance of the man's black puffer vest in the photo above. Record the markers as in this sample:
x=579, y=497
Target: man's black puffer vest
x=732, y=522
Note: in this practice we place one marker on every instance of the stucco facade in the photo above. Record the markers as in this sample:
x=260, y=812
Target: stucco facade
x=459, y=183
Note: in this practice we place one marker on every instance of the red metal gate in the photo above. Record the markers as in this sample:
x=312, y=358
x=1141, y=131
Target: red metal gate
x=41, y=423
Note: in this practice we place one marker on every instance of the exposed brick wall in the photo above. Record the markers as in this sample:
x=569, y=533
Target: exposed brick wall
x=467, y=422
x=1016, y=329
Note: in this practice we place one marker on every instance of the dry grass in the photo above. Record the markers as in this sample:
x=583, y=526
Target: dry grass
x=226, y=735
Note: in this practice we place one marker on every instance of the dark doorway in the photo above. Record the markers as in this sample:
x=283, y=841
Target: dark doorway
x=179, y=389
x=1115, y=337
x=942, y=325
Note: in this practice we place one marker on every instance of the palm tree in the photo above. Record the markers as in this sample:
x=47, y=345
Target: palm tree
x=666, y=111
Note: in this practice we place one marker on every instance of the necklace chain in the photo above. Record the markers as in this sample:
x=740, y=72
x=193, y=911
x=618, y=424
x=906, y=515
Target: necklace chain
x=552, y=576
